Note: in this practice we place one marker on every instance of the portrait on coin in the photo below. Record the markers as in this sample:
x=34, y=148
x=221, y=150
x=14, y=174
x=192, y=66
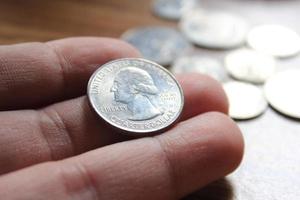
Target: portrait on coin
x=135, y=87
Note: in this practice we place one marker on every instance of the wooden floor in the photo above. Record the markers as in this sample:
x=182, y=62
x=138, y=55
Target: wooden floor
x=271, y=167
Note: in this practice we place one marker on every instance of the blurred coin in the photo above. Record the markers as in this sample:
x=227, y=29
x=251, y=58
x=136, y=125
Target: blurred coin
x=159, y=44
x=218, y=30
x=172, y=9
x=282, y=91
x=204, y=65
x=274, y=40
x=135, y=96
x=249, y=65
x=246, y=101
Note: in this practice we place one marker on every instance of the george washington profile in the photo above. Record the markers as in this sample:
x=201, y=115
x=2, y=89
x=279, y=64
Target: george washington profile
x=135, y=87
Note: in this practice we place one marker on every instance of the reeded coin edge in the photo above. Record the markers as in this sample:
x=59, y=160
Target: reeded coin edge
x=134, y=131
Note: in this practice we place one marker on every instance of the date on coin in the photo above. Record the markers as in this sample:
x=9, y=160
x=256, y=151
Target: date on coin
x=136, y=96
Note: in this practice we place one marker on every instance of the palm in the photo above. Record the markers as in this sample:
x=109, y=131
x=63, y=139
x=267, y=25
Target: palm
x=45, y=117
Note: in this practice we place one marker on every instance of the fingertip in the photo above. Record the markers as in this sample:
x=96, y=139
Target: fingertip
x=229, y=142
x=203, y=149
x=133, y=52
x=202, y=94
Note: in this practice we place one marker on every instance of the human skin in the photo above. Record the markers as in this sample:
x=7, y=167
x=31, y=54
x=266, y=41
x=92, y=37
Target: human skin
x=53, y=146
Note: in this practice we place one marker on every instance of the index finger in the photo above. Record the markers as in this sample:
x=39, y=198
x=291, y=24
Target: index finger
x=38, y=74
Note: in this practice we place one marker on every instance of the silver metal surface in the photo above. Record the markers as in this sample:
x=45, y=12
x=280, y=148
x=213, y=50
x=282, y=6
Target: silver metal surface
x=283, y=92
x=200, y=64
x=274, y=40
x=136, y=96
x=159, y=44
x=246, y=101
x=172, y=9
x=216, y=29
x=249, y=65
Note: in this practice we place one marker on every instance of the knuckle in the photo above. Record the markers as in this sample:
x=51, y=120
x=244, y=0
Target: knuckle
x=76, y=180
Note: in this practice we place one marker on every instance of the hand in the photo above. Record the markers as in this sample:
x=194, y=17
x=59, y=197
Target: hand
x=46, y=119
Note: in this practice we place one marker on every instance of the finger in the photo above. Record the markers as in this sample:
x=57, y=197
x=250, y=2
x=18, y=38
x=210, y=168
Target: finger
x=191, y=155
x=71, y=127
x=202, y=94
x=36, y=74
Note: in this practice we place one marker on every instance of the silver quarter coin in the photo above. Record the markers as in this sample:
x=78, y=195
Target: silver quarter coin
x=136, y=96
x=274, y=40
x=246, y=101
x=282, y=92
x=249, y=65
x=159, y=44
x=204, y=65
x=172, y=9
x=218, y=30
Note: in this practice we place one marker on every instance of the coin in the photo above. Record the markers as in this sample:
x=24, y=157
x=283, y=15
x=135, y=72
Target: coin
x=136, y=96
x=199, y=64
x=217, y=29
x=246, y=101
x=282, y=92
x=159, y=44
x=172, y=9
x=274, y=40
x=249, y=65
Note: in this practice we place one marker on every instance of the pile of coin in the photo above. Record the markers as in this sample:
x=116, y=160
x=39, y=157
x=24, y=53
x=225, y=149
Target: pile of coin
x=249, y=68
